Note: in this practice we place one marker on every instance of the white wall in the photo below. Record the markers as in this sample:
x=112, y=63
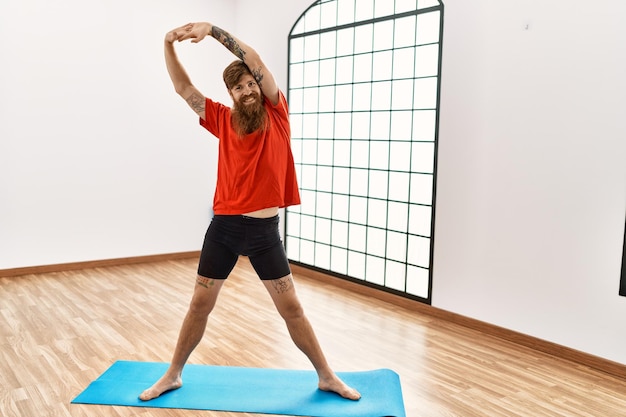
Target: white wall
x=532, y=169
x=99, y=158
x=532, y=180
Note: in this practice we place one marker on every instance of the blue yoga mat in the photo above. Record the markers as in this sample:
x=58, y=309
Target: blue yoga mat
x=253, y=390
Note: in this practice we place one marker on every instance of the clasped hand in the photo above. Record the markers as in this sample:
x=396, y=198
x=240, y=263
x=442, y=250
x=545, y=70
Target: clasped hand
x=194, y=31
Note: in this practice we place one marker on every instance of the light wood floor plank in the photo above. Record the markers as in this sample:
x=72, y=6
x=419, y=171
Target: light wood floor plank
x=61, y=330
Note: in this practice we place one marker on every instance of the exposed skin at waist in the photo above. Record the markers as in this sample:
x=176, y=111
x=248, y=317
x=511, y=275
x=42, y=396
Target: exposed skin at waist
x=263, y=213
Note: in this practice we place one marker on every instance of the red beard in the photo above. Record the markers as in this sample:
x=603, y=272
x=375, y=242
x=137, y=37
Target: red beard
x=248, y=118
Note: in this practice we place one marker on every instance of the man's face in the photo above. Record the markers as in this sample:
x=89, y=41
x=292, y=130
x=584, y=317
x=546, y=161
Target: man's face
x=246, y=92
x=248, y=111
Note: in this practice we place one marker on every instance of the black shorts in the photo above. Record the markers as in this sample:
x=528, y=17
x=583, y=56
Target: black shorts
x=229, y=236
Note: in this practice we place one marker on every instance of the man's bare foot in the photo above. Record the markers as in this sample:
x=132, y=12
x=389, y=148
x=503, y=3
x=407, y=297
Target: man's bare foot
x=162, y=385
x=337, y=386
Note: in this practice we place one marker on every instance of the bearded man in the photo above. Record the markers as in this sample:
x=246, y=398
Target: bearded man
x=255, y=177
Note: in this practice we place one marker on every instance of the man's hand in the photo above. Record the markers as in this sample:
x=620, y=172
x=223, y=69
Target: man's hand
x=194, y=31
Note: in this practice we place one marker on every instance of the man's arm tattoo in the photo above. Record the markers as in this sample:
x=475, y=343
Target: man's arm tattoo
x=197, y=103
x=228, y=41
x=258, y=76
x=282, y=285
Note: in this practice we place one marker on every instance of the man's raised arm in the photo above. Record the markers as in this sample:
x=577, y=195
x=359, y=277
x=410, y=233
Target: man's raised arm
x=178, y=75
x=264, y=78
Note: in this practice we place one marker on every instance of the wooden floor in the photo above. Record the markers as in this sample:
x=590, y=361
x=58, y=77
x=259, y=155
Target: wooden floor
x=59, y=331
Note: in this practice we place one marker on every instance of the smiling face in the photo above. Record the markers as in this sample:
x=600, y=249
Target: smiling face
x=248, y=113
x=246, y=91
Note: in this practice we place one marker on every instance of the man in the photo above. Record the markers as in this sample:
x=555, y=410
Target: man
x=256, y=176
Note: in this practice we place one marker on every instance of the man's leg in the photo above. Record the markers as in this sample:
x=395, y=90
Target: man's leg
x=283, y=293
x=202, y=303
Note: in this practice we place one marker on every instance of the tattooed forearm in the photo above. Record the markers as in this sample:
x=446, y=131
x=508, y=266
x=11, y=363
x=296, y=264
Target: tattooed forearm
x=205, y=282
x=197, y=103
x=258, y=76
x=282, y=285
x=228, y=41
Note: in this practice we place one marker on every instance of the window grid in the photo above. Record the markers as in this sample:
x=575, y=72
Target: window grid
x=367, y=215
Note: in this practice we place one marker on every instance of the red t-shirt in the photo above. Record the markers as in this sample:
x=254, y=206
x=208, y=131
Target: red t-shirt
x=256, y=171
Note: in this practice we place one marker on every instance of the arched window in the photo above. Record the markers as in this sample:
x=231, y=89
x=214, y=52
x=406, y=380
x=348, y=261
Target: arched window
x=364, y=102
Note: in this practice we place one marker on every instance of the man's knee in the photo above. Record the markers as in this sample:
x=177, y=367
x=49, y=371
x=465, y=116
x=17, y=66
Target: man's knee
x=291, y=310
x=205, y=295
x=200, y=307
